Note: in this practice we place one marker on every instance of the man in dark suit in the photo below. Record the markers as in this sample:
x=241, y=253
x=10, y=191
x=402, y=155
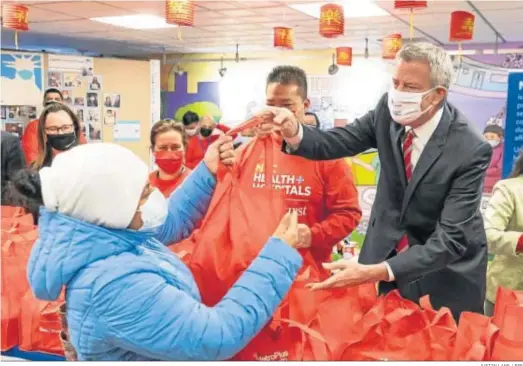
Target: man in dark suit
x=426, y=233
x=12, y=159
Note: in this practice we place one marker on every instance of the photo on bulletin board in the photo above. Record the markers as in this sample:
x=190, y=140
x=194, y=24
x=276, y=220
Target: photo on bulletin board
x=16, y=128
x=95, y=131
x=72, y=80
x=93, y=115
x=112, y=100
x=28, y=111
x=79, y=113
x=3, y=113
x=78, y=100
x=67, y=97
x=54, y=80
x=94, y=83
x=21, y=113
x=109, y=116
x=84, y=129
x=92, y=99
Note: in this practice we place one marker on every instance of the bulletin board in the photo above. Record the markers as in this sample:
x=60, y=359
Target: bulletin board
x=121, y=90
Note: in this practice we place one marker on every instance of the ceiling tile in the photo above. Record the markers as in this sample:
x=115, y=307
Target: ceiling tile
x=239, y=13
x=217, y=5
x=72, y=26
x=84, y=9
x=153, y=7
x=37, y=15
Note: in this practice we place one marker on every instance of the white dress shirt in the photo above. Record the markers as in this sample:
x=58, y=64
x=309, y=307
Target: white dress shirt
x=422, y=135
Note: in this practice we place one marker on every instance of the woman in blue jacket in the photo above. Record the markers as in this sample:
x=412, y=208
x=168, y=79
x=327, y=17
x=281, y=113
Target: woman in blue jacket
x=102, y=235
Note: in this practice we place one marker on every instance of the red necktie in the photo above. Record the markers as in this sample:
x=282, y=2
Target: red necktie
x=403, y=244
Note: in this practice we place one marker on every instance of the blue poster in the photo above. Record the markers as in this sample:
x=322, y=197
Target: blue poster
x=513, y=122
x=21, y=78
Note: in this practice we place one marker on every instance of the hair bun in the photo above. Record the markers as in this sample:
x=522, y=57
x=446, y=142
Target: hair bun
x=27, y=182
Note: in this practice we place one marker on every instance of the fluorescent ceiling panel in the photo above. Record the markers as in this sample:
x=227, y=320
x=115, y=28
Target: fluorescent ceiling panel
x=139, y=21
x=352, y=9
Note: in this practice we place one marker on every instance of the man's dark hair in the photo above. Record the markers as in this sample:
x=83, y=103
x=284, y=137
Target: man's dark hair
x=494, y=129
x=289, y=75
x=315, y=117
x=189, y=118
x=53, y=90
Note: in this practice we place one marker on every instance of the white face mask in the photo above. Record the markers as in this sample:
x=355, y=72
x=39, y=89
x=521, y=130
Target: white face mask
x=493, y=143
x=405, y=107
x=192, y=132
x=154, y=211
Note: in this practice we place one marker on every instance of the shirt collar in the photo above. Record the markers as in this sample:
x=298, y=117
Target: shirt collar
x=425, y=131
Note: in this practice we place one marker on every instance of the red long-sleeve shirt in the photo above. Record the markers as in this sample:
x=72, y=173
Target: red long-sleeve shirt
x=324, y=194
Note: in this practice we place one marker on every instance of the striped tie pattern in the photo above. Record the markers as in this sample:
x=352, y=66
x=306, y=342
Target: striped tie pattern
x=403, y=244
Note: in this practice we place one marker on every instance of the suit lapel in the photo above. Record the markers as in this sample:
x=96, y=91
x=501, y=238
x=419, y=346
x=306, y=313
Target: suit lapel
x=430, y=154
x=396, y=132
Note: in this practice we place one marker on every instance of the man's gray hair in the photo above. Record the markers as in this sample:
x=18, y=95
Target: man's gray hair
x=440, y=63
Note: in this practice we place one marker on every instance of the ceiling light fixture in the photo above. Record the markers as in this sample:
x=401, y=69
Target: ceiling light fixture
x=139, y=21
x=352, y=9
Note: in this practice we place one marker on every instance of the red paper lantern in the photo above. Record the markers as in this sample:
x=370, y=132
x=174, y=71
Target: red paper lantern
x=332, y=21
x=179, y=12
x=461, y=26
x=390, y=46
x=410, y=4
x=283, y=38
x=344, y=56
x=15, y=17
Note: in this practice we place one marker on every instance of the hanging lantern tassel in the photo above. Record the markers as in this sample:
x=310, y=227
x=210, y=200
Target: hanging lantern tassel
x=410, y=5
x=411, y=25
x=15, y=17
x=180, y=34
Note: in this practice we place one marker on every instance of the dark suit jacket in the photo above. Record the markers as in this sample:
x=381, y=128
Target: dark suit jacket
x=438, y=209
x=12, y=158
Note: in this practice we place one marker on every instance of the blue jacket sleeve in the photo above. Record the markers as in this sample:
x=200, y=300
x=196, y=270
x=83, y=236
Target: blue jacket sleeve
x=144, y=314
x=187, y=205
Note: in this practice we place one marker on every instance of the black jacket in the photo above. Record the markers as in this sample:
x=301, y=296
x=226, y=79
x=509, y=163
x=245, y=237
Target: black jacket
x=12, y=158
x=438, y=209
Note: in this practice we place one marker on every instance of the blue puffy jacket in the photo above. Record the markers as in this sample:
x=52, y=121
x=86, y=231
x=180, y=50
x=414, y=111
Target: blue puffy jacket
x=130, y=298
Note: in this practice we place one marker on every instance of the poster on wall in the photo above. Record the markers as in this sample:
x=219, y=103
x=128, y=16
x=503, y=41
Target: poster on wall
x=81, y=65
x=127, y=131
x=21, y=78
x=514, y=122
x=321, y=96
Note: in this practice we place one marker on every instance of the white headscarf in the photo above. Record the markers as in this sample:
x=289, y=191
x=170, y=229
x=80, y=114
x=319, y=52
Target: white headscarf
x=97, y=183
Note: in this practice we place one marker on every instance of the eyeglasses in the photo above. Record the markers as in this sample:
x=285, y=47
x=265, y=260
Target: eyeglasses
x=56, y=130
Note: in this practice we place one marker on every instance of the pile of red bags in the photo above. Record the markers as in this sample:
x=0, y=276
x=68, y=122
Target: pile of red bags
x=26, y=322
x=342, y=324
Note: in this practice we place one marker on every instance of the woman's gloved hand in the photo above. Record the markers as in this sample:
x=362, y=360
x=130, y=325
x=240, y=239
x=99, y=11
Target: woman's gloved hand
x=287, y=231
x=222, y=150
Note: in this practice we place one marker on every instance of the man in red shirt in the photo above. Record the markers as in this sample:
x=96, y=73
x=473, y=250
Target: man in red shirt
x=30, y=144
x=322, y=192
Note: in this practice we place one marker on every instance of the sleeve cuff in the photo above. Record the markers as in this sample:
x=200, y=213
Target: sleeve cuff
x=391, y=274
x=519, y=246
x=294, y=142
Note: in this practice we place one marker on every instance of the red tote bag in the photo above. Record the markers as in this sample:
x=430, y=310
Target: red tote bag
x=15, y=253
x=239, y=221
x=40, y=325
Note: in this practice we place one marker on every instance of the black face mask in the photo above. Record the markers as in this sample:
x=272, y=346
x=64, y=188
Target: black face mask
x=206, y=132
x=62, y=142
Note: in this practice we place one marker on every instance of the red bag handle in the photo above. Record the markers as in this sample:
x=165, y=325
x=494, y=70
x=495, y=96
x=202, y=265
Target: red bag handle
x=251, y=123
